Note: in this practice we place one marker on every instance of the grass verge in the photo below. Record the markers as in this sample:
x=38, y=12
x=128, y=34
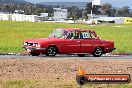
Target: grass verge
x=42, y=84
x=12, y=34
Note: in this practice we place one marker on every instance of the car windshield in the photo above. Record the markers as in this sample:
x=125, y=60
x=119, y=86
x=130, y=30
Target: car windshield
x=59, y=33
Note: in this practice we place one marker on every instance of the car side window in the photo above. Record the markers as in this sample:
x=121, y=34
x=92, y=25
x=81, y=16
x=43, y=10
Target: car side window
x=85, y=35
x=74, y=35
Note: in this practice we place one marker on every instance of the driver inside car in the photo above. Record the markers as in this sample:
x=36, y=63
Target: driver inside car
x=65, y=34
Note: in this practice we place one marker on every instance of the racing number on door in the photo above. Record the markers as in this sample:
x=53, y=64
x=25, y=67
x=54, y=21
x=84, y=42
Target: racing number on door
x=85, y=35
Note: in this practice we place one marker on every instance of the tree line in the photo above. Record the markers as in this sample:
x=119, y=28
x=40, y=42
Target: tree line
x=28, y=8
x=105, y=9
x=73, y=11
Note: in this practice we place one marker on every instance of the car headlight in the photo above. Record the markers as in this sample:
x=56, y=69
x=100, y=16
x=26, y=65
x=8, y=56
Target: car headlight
x=25, y=43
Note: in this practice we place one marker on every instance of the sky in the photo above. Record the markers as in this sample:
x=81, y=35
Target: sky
x=115, y=3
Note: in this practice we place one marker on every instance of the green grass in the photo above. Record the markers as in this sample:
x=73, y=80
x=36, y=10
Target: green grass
x=42, y=84
x=18, y=84
x=12, y=34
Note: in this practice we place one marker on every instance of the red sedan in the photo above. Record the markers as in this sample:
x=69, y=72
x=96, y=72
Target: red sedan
x=69, y=41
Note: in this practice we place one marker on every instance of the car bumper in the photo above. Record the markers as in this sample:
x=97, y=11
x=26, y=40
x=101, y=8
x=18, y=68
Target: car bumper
x=34, y=49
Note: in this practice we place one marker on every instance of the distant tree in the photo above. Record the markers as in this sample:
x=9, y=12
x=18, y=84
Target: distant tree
x=124, y=12
x=119, y=12
x=112, y=12
x=7, y=7
x=80, y=13
x=106, y=9
x=87, y=10
x=74, y=12
x=27, y=7
x=49, y=10
x=131, y=14
x=89, y=7
x=96, y=9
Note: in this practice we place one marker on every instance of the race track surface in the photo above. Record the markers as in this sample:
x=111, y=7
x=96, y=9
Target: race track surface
x=58, y=57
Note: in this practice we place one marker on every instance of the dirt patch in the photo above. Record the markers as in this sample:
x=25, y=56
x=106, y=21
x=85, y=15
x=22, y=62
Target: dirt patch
x=60, y=71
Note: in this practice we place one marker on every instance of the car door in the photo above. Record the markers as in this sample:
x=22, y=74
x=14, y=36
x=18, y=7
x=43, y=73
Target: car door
x=72, y=44
x=87, y=43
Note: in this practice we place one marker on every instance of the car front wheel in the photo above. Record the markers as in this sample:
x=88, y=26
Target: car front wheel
x=97, y=52
x=51, y=51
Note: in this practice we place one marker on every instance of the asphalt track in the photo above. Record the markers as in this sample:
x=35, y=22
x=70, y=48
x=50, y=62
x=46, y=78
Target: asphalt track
x=61, y=57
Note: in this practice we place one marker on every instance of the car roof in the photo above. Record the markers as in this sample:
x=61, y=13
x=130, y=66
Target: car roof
x=78, y=29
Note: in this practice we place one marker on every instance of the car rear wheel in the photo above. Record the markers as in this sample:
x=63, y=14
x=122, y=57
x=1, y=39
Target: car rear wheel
x=34, y=54
x=51, y=51
x=81, y=55
x=97, y=52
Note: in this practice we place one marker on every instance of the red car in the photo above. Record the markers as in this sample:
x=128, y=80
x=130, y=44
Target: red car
x=69, y=41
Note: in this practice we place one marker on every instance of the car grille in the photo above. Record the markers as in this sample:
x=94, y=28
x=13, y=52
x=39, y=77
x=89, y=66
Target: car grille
x=30, y=44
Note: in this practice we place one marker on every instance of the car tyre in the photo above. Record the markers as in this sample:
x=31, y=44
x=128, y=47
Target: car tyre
x=34, y=54
x=81, y=55
x=51, y=51
x=97, y=52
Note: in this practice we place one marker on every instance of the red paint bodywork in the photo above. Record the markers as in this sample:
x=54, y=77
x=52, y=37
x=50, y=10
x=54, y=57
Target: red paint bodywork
x=70, y=46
